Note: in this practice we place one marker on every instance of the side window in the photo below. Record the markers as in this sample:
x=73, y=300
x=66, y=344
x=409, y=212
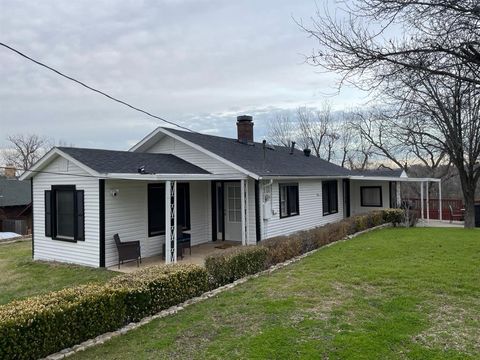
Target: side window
x=289, y=203
x=64, y=213
x=330, y=197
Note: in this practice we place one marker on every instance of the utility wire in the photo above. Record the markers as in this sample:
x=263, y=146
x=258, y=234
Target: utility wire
x=93, y=89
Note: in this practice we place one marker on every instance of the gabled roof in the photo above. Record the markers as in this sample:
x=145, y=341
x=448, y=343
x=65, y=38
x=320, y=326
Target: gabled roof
x=125, y=162
x=14, y=192
x=264, y=162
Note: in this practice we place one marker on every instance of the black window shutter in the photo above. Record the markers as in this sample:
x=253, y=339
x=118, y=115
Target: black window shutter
x=48, y=213
x=325, y=201
x=79, y=215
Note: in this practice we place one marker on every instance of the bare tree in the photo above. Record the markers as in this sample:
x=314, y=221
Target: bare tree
x=430, y=75
x=437, y=35
x=25, y=150
x=281, y=130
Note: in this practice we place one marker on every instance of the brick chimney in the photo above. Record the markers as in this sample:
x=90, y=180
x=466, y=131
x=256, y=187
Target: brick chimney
x=10, y=171
x=245, y=129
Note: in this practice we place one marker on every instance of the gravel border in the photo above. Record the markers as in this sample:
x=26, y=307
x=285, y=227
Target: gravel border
x=174, y=309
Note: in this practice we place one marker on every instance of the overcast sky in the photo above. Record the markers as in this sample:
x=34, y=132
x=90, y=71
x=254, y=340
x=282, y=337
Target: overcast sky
x=199, y=63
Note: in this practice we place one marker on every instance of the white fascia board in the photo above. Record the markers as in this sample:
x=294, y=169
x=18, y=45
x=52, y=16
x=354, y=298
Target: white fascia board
x=209, y=153
x=400, y=179
x=46, y=159
x=302, y=177
x=145, y=139
x=179, y=177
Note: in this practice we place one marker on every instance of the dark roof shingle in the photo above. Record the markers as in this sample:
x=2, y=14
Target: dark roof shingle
x=14, y=192
x=264, y=162
x=110, y=161
x=379, y=172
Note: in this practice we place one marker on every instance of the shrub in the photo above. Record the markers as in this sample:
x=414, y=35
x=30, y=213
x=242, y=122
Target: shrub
x=156, y=288
x=394, y=216
x=282, y=248
x=235, y=263
x=41, y=325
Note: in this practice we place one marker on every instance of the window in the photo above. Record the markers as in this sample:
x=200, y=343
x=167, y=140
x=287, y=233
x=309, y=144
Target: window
x=64, y=213
x=330, y=197
x=234, y=198
x=371, y=196
x=183, y=206
x=156, y=209
x=288, y=200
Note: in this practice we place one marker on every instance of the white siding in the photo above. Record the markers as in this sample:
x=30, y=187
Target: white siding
x=310, y=203
x=127, y=215
x=82, y=252
x=355, y=207
x=170, y=145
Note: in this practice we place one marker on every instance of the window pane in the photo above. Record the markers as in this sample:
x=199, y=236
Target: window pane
x=371, y=196
x=156, y=209
x=65, y=213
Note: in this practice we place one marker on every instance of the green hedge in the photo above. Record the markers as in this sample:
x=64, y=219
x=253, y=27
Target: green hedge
x=235, y=263
x=156, y=288
x=282, y=248
x=42, y=325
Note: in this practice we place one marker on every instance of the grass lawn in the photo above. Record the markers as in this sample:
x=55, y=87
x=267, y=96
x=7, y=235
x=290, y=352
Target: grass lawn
x=389, y=294
x=21, y=277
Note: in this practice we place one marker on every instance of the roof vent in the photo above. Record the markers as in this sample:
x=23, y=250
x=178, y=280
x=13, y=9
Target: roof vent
x=307, y=152
x=141, y=170
x=292, y=147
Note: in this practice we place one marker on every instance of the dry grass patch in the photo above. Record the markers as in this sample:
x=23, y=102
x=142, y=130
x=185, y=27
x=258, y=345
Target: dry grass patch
x=454, y=326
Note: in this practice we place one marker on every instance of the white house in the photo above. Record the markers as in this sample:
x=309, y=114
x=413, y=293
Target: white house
x=213, y=188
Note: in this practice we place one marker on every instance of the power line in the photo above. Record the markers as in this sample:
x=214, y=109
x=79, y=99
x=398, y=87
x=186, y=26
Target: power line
x=93, y=89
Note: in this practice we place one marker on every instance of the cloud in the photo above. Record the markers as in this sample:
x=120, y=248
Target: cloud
x=200, y=63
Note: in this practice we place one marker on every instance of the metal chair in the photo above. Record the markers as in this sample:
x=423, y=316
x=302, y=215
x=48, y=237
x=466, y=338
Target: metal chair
x=128, y=251
x=454, y=215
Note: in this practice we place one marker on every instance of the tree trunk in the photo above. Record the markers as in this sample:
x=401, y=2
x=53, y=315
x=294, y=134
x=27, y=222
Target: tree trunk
x=469, y=212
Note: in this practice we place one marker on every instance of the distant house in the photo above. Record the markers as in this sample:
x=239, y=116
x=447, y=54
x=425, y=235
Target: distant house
x=15, y=205
x=211, y=188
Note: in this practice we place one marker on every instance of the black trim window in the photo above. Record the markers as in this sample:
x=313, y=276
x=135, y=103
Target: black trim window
x=289, y=200
x=330, y=197
x=371, y=196
x=156, y=209
x=65, y=213
x=183, y=206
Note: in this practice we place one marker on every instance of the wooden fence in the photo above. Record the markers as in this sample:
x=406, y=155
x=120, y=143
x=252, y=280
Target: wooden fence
x=433, y=204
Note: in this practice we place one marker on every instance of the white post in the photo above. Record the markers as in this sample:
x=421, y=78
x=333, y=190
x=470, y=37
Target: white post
x=428, y=202
x=170, y=222
x=421, y=199
x=440, y=216
x=399, y=195
x=243, y=210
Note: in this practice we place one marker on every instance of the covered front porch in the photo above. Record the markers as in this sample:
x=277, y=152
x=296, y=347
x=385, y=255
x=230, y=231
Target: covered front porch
x=176, y=220
x=197, y=256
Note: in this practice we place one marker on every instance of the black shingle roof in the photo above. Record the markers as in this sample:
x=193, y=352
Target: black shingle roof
x=14, y=192
x=379, y=172
x=253, y=157
x=109, y=161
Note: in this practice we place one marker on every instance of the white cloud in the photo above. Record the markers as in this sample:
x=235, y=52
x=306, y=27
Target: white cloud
x=200, y=63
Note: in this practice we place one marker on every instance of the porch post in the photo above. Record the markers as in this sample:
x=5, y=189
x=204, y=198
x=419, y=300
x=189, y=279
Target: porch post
x=170, y=222
x=428, y=202
x=440, y=216
x=244, y=209
x=399, y=195
x=421, y=199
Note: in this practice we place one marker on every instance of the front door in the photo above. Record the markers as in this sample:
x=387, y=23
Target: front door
x=233, y=211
